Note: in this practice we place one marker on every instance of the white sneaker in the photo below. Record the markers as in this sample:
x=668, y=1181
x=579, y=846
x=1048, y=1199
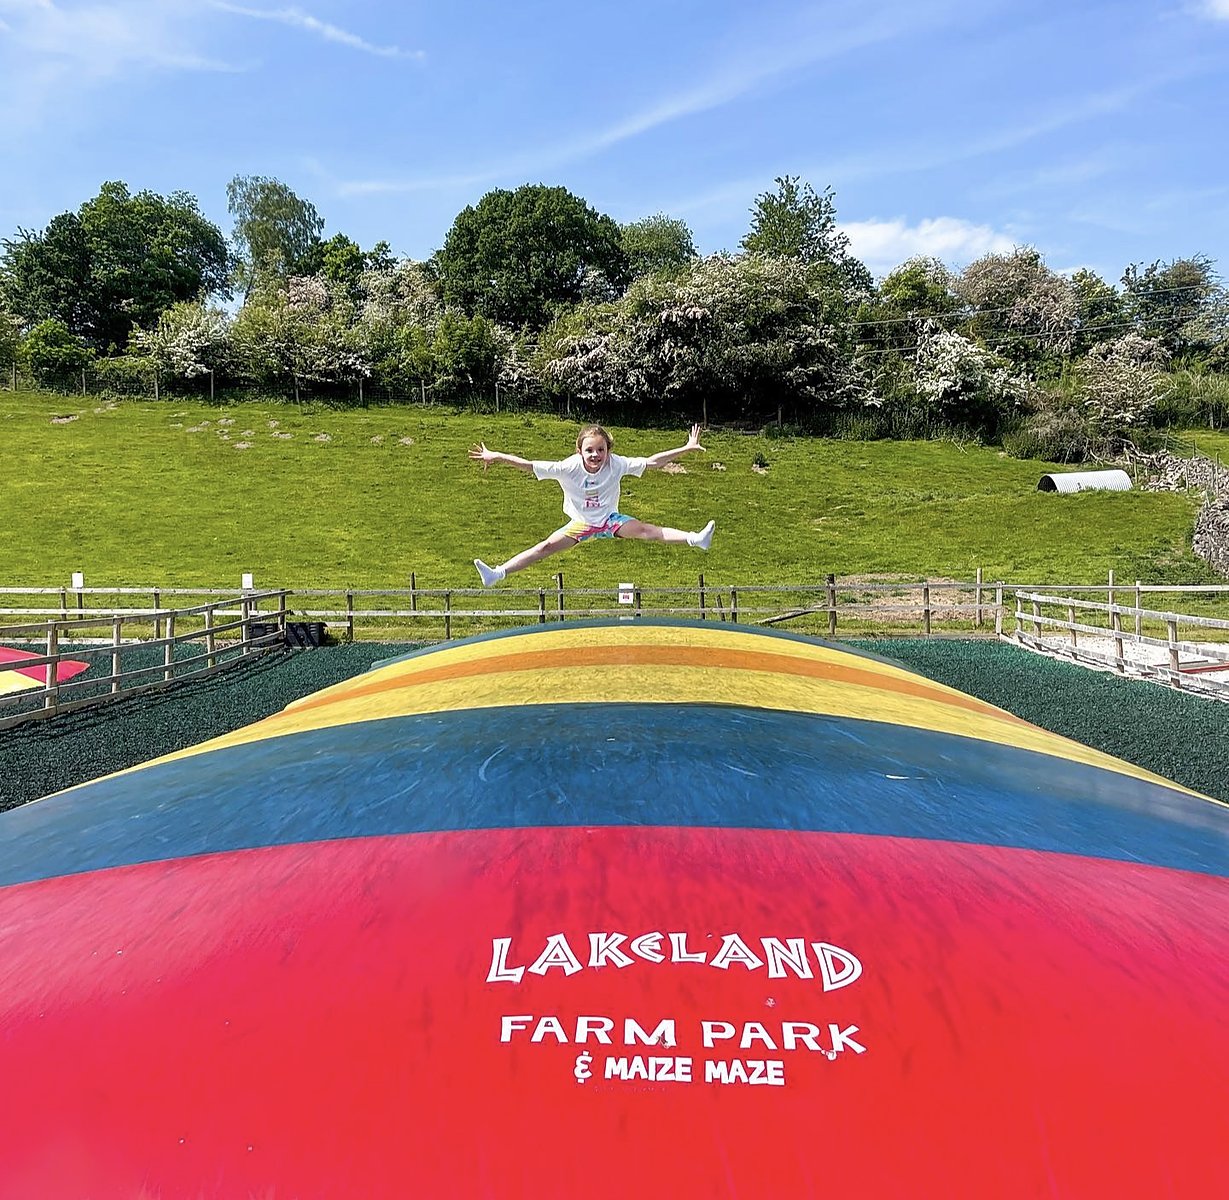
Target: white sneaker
x=704, y=538
x=490, y=575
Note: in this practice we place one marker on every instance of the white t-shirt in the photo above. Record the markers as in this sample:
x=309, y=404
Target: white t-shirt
x=591, y=497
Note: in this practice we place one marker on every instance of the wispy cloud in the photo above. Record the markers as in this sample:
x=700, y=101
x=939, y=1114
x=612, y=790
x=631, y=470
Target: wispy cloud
x=104, y=39
x=296, y=18
x=51, y=53
x=883, y=245
x=1218, y=10
x=756, y=67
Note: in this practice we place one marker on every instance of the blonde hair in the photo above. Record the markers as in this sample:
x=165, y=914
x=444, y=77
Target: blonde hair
x=594, y=431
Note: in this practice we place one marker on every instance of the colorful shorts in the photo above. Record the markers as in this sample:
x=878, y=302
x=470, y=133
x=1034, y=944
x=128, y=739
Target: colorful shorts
x=582, y=532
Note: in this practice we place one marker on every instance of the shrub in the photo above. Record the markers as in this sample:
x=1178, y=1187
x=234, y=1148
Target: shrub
x=1054, y=435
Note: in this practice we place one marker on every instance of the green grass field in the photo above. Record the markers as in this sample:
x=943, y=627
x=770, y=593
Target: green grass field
x=183, y=494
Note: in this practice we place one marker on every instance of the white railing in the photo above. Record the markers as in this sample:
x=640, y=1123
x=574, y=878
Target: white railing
x=1128, y=639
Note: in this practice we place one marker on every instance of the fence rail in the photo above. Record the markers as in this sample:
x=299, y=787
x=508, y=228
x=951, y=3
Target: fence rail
x=195, y=629
x=1184, y=650
x=220, y=634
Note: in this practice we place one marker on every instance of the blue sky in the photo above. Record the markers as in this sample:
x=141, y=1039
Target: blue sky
x=1095, y=131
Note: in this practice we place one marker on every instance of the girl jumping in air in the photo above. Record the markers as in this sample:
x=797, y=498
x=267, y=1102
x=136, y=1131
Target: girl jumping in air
x=590, y=481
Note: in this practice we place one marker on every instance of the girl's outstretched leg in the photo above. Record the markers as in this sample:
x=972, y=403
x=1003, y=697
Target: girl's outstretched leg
x=544, y=549
x=645, y=532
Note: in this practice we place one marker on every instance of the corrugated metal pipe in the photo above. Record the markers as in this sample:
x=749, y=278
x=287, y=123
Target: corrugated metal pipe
x=1085, y=481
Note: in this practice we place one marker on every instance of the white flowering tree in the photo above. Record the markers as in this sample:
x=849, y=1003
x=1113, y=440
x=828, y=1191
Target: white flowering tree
x=962, y=384
x=729, y=338
x=1120, y=382
x=301, y=331
x=190, y=340
x=396, y=320
x=1020, y=308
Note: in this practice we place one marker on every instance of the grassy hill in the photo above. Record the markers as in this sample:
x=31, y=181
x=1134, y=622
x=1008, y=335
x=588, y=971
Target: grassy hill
x=184, y=494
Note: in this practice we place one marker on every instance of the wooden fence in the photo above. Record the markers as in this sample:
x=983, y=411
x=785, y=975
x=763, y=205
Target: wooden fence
x=224, y=625
x=136, y=653
x=1181, y=649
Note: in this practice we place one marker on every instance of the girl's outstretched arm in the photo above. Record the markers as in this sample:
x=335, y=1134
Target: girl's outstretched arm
x=489, y=456
x=664, y=456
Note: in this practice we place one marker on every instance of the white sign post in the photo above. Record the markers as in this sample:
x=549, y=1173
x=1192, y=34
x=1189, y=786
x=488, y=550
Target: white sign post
x=627, y=595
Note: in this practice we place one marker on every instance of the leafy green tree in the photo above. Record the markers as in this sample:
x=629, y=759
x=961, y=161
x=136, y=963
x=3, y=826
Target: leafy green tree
x=341, y=260
x=52, y=354
x=10, y=340
x=1168, y=300
x=276, y=232
x=46, y=275
x=798, y=223
x=116, y=263
x=917, y=292
x=520, y=256
x=657, y=245
x=465, y=354
x=1100, y=313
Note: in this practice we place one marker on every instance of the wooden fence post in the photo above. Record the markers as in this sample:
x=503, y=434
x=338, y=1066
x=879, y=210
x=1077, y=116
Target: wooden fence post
x=413, y=594
x=52, y=677
x=350, y=608
x=1139, y=605
x=210, y=640
x=831, y=581
x=541, y=606
x=926, y=608
x=116, y=638
x=998, y=610
x=245, y=629
x=157, y=619
x=448, y=616
x=1071, y=626
x=559, y=591
x=168, y=656
x=1171, y=626
x=1119, y=657
x=977, y=620
x=703, y=615
x=734, y=605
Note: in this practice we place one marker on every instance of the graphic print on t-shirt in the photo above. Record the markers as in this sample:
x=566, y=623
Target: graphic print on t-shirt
x=593, y=497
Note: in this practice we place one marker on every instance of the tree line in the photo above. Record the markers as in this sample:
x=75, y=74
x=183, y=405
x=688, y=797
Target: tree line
x=536, y=297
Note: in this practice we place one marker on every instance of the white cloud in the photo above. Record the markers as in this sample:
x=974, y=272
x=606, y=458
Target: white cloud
x=883, y=245
x=1218, y=10
x=296, y=18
